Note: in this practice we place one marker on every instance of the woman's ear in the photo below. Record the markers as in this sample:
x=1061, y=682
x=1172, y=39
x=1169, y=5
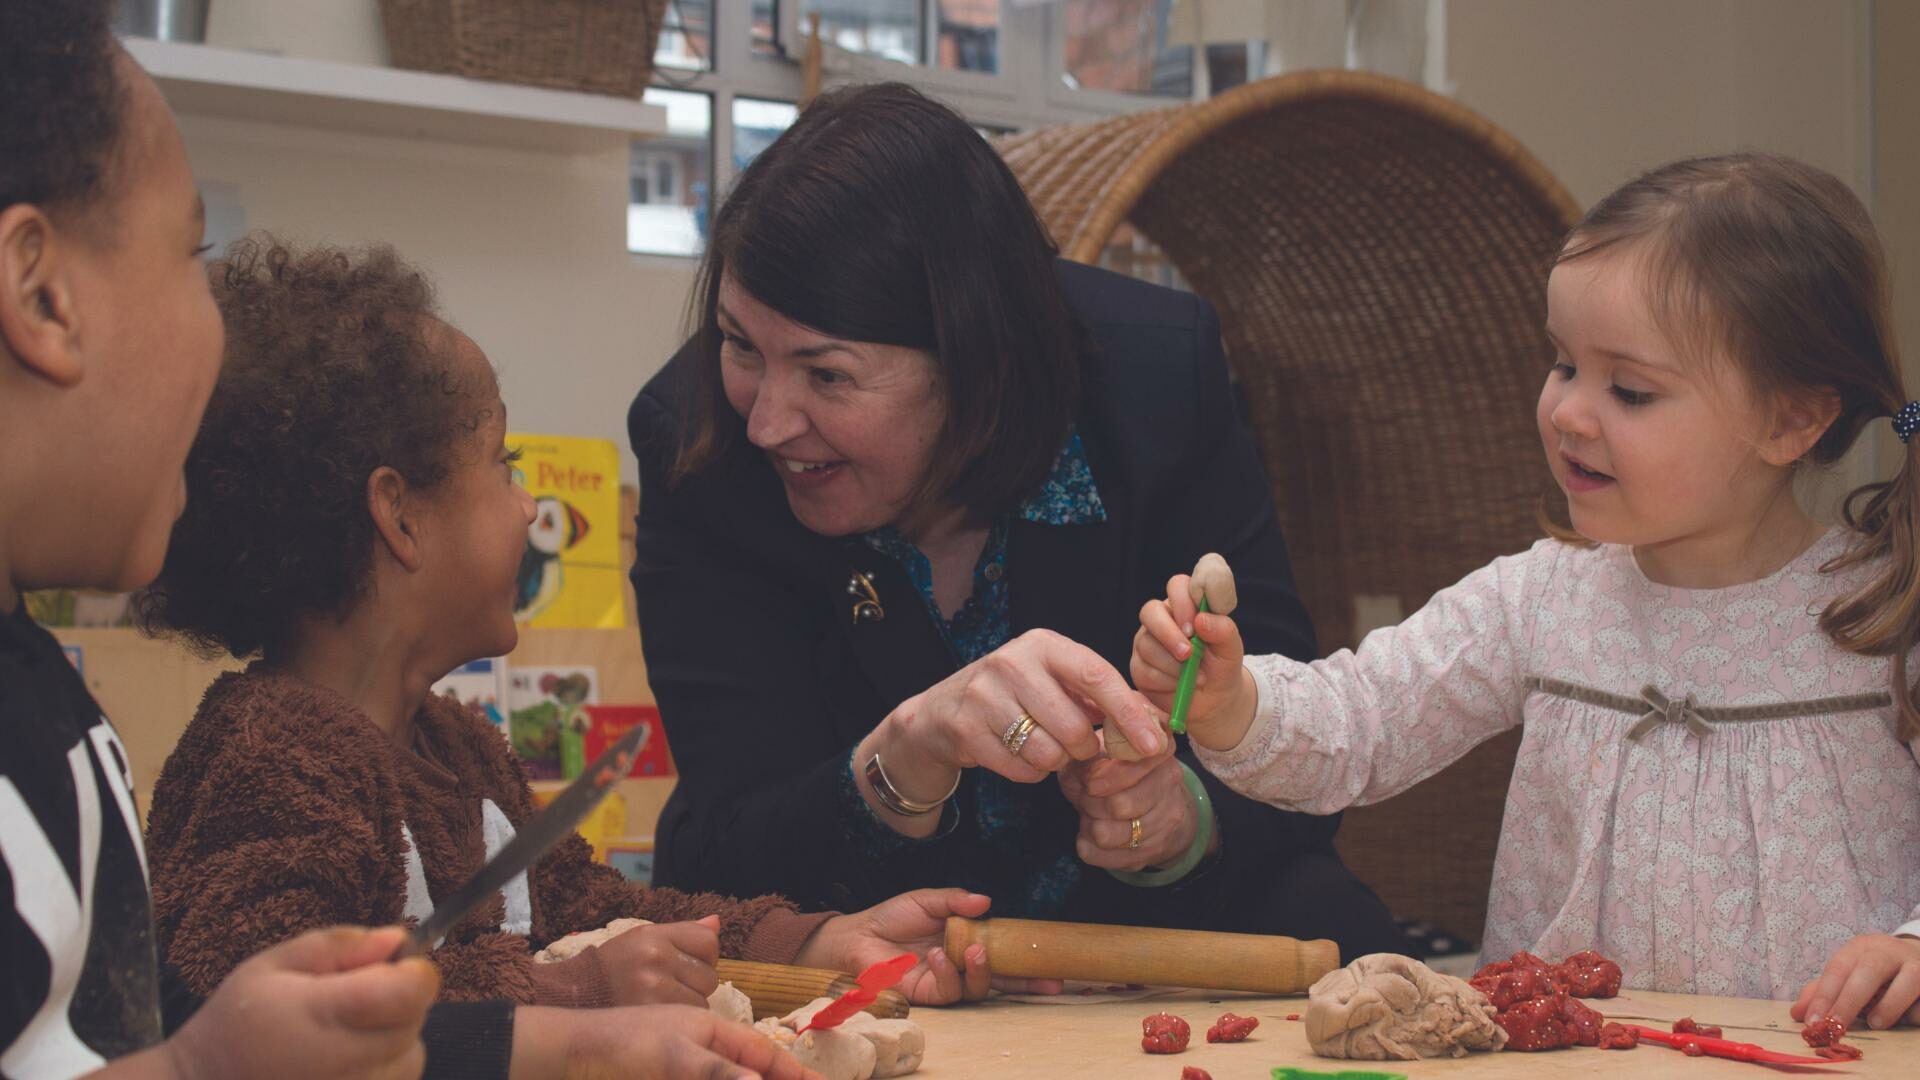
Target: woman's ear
x=39, y=327
x=390, y=503
x=1798, y=424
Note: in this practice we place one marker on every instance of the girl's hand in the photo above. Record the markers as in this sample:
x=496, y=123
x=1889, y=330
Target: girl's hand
x=1877, y=970
x=664, y=964
x=327, y=1003
x=960, y=722
x=1111, y=795
x=649, y=1040
x=916, y=922
x=1223, y=694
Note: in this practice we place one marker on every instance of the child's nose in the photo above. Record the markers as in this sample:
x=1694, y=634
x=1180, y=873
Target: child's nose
x=1572, y=416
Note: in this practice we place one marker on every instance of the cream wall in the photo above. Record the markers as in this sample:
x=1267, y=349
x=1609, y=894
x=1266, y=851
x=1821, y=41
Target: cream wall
x=529, y=252
x=528, y=248
x=1602, y=91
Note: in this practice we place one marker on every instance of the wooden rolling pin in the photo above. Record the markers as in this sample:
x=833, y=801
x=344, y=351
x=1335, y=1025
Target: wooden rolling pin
x=1145, y=954
x=778, y=989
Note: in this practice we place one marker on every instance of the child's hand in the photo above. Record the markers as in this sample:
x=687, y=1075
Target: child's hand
x=654, y=1040
x=916, y=922
x=664, y=964
x=326, y=1003
x=1877, y=970
x=1223, y=695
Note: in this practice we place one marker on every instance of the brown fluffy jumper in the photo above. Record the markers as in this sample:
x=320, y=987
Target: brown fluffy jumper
x=281, y=810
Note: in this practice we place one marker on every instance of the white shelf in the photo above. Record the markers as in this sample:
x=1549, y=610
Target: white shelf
x=204, y=80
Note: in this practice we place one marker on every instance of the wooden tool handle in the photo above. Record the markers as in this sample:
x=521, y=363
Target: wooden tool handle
x=778, y=989
x=1145, y=954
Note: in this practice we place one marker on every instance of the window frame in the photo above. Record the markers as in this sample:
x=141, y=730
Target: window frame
x=1026, y=93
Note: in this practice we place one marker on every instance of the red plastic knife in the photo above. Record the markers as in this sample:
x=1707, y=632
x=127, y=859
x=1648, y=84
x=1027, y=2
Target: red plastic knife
x=1727, y=1048
x=881, y=976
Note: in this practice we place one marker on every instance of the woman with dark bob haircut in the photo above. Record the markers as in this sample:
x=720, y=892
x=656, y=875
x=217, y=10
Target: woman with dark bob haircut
x=902, y=496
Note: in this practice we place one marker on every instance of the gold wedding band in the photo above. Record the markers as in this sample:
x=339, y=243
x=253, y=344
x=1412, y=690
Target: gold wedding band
x=1133, y=830
x=1018, y=732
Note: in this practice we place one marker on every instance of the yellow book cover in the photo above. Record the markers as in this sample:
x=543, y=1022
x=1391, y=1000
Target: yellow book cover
x=570, y=575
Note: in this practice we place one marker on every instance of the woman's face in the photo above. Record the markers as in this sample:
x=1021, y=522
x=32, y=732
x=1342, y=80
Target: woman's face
x=848, y=426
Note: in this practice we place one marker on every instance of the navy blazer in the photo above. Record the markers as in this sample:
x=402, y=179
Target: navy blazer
x=765, y=682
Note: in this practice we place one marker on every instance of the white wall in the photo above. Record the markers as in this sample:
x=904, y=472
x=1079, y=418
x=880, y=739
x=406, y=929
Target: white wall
x=528, y=248
x=529, y=253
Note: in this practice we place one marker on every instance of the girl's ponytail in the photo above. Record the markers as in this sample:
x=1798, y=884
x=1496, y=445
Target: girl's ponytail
x=1882, y=618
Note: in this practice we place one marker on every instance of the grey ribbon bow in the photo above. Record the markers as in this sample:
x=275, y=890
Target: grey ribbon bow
x=1664, y=710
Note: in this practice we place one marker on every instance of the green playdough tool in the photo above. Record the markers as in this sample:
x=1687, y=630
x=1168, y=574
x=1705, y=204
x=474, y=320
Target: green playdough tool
x=1213, y=591
x=1288, y=1072
x=1291, y=1073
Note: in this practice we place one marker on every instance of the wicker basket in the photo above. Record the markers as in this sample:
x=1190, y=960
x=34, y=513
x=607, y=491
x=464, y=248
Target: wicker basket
x=600, y=46
x=1378, y=256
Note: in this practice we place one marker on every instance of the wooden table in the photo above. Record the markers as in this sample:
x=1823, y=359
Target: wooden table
x=999, y=1040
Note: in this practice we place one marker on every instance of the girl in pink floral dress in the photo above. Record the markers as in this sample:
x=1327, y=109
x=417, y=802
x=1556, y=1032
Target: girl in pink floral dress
x=1717, y=784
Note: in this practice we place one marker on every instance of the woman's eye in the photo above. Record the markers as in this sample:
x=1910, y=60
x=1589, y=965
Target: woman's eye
x=828, y=376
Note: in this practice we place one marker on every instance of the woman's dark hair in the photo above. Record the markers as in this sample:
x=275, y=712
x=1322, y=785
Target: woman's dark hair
x=62, y=104
x=335, y=366
x=882, y=216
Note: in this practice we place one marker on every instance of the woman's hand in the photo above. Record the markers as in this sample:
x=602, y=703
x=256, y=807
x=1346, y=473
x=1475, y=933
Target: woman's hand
x=664, y=964
x=916, y=922
x=1223, y=695
x=1111, y=795
x=1878, y=973
x=964, y=720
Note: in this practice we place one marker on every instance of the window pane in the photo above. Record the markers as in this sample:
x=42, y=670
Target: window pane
x=969, y=35
x=889, y=29
x=667, y=190
x=756, y=124
x=765, y=17
x=1122, y=45
x=686, y=39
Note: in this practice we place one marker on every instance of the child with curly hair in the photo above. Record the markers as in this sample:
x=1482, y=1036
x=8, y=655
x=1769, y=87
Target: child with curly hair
x=109, y=347
x=358, y=528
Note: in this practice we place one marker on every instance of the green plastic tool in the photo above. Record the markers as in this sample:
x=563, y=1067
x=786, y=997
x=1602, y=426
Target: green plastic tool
x=1183, y=691
x=1288, y=1072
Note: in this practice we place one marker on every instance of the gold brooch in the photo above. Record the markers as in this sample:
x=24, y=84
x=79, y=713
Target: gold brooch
x=866, y=602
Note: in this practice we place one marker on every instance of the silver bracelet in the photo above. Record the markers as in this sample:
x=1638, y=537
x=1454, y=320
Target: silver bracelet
x=891, y=798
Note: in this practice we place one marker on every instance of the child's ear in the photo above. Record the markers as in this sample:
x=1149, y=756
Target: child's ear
x=389, y=503
x=1798, y=423
x=38, y=323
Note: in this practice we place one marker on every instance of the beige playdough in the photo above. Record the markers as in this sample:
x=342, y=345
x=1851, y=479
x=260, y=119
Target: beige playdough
x=729, y=1003
x=837, y=1053
x=574, y=944
x=861, y=1047
x=1386, y=1006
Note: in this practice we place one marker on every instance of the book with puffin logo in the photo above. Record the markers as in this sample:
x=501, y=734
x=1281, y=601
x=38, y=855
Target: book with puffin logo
x=570, y=574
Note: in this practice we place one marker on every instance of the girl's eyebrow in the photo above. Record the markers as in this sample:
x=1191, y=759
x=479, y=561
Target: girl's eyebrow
x=1619, y=355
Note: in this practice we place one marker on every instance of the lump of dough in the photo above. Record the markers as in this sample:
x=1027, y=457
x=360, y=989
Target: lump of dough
x=729, y=1002
x=574, y=944
x=1386, y=1006
x=836, y=1053
x=899, y=1046
x=1213, y=580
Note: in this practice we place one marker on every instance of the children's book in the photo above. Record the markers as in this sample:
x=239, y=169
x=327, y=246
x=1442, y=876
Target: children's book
x=570, y=574
x=482, y=684
x=607, y=723
x=546, y=721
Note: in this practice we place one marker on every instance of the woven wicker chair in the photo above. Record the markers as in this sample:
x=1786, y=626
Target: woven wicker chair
x=1377, y=254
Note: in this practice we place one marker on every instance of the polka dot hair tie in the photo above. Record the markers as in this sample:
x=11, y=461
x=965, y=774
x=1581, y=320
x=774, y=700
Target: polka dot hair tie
x=1907, y=420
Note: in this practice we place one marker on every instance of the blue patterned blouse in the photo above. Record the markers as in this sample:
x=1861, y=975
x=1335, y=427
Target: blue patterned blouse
x=983, y=624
